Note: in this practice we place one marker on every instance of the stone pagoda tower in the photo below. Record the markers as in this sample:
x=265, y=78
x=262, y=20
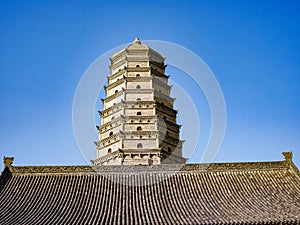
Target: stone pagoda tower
x=138, y=122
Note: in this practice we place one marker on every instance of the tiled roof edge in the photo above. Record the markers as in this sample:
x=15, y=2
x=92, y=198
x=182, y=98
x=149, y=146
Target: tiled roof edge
x=294, y=169
x=51, y=169
x=288, y=159
x=5, y=175
x=202, y=167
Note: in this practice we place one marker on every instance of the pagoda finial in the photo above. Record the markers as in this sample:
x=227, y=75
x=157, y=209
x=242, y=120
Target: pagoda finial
x=137, y=41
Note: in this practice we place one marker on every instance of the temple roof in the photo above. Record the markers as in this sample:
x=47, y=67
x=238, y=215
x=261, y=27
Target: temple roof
x=218, y=193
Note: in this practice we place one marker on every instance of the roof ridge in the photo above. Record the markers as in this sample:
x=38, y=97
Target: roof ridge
x=200, y=167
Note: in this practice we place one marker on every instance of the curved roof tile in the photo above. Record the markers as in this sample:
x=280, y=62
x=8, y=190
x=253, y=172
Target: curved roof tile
x=220, y=193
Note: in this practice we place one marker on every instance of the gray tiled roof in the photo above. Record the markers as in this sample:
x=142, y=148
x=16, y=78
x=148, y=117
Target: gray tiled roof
x=219, y=193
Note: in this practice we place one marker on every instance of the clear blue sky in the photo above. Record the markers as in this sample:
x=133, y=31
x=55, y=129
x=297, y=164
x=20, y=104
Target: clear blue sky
x=251, y=46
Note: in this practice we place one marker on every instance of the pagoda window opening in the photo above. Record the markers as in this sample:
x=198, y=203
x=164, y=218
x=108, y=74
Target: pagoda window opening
x=138, y=75
x=138, y=99
x=109, y=150
x=139, y=145
x=139, y=128
x=137, y=65
x=111, y=133
x=138, y=86
x=139, y=113
x=116, y=91
x=169, y=149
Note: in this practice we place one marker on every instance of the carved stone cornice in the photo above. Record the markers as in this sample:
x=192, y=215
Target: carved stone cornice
x=109, y=98
x=115, y=75
x=139, y=91
x=127, y=119
x=117, y=56
x=139, y=79
x=141, y=151
x=152, y=132
x=106, y=158
x=138, y=69
x=111, y=137
x=176, y=158
x=159, y=64
x=129, y=104
x=169, y=125
x=163, y=96
x=166, y=110
x=114, y=84
x=129, y=79
x=170, y=140
x=157, y=73
x=110, y=125
x=159, y=82
x=102, y=143
x=114, y=108
x=118, y=64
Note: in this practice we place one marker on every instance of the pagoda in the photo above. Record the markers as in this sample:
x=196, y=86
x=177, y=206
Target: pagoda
x=138, y=122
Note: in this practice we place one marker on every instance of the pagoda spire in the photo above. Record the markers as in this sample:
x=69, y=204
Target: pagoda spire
x=137, y=41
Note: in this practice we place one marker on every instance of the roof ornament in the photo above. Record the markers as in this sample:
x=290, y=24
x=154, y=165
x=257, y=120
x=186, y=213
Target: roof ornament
x=8, y=161
x=137, y=41
x=288, y=156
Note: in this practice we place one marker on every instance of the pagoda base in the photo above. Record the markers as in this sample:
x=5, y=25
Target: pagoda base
x=139, y=157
